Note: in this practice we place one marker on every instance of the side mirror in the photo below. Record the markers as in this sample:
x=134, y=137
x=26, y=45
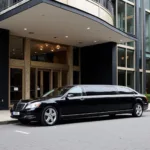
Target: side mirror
x=69, y=95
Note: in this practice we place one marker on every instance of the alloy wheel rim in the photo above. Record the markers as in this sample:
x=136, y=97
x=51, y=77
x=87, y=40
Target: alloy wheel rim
x=138, y=110
x=50, y=116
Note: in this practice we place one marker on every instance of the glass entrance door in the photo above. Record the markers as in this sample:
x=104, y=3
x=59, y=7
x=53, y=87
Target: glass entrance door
x=16, y=84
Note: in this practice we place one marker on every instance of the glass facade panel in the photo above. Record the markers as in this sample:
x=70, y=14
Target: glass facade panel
x=76, y=56
x=141, y=82
x=76, y=77
x=121, y=15
x=130, y=19
x=147, y=4
x=148, y=83
x=16, y=48
x=130, y=58
x=147, y=32
x=47, y=52
x=32, y=83
x=122, y=77
x=130, y=44
x=147, y=61
x=15, y=85
x=121, y=57
x=130, y=79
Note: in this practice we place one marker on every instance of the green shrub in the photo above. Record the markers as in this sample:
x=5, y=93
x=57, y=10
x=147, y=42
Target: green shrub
x=148, y=96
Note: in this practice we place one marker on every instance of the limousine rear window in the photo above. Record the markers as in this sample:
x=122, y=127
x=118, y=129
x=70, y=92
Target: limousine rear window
x=100, y=90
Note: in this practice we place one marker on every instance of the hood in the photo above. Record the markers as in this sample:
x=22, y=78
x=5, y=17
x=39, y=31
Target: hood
x=39, y=99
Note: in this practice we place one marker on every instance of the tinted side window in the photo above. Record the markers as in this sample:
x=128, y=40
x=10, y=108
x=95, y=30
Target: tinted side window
x=75, y=91
x=124, y=90
x=100, y=90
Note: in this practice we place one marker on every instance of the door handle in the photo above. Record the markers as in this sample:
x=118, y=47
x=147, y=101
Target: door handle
x=82, y=99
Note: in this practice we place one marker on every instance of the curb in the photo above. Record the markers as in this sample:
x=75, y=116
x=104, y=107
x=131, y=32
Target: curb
x=8, y=122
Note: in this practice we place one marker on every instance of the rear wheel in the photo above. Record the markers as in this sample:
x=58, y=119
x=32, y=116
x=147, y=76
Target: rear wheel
x=24, y=121
x=137, y=110
x=49, y=116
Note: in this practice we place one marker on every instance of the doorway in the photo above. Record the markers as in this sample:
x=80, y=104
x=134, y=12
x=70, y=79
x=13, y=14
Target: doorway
x=43, y=80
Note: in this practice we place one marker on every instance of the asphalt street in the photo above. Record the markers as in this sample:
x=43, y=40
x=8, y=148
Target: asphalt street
x=121, y=133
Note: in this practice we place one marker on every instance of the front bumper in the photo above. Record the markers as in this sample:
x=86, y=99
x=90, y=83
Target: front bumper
x=32, y=115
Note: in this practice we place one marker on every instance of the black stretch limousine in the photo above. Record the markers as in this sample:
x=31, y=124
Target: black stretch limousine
x=80, y=101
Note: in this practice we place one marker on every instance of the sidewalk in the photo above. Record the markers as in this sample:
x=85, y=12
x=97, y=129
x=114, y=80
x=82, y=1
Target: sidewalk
x=5, y=117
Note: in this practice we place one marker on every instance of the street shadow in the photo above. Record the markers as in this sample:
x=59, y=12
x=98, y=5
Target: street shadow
x=82, y=120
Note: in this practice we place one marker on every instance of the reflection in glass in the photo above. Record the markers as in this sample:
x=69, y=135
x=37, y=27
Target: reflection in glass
x=32, y=83
x=76, y=77
x=147, y=4
x=130, y=79
x=121, y=57
x=147, y=61
x=130, y=58
x=64, y=78
x=147, y=32
x=16, y=48
x=15, y=85
x=46, y=81
x=148, y=83
x=130, y=19
x=141, y=82
x=122, y=77
x=121, y=15
x=55, y=79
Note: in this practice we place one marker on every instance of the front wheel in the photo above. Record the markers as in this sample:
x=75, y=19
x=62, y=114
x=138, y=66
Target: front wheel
x=49, y=116
x=137, y=110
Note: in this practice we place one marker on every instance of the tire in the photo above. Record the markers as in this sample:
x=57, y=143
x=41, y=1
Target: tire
x=49, y=116
x=22, y=121
x=137, y=110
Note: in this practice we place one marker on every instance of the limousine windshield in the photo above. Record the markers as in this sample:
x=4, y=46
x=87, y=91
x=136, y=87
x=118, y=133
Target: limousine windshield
x=57, y=92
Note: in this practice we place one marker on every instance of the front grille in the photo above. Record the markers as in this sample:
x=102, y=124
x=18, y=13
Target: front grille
x=19, y=106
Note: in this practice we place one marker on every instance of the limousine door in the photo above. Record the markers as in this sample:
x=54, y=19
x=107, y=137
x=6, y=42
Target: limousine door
x=125, y=98
x=73, y=102
x=100, y=99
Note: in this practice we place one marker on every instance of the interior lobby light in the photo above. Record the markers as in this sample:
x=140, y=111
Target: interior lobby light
x=46, y=45
x=25, y=29
x=57, y=46
x=66, y=36
x=52, y=50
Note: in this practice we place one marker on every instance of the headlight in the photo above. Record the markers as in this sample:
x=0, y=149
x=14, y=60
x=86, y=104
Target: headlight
x=33, y=105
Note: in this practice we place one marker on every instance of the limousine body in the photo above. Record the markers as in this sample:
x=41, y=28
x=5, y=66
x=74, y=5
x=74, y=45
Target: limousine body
x=80, y=101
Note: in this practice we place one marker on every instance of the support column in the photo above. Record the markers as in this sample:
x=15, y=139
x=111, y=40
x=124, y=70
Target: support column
x=70, y=65
x=144, y=44
x=4, y=68
x=137, y=45
x=27, y=67
x=114, y=63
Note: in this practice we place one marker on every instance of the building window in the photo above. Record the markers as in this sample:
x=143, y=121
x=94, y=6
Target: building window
x=147, y=32
x=16, y=48
x=147, y=61
x=141, y=82
x=76, y=56
x=130, y=58
x=130, y=79
x=147, y=4
x=121, y=57
x=131, y=44
x=121, y=15
x=48, y=52
x=122, y=77
x=130, y=19
x=148, y=83
x=76, y=77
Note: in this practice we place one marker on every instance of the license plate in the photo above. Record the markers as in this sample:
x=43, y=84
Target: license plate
x=16, y=113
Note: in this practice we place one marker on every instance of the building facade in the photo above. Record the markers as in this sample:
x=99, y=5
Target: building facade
x=50, y=43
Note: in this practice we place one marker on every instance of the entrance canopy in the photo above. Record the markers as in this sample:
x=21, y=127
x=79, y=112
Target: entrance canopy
x=56, y=24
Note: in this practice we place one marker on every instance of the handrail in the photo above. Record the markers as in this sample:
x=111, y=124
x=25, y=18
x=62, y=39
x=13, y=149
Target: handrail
x=107, y=4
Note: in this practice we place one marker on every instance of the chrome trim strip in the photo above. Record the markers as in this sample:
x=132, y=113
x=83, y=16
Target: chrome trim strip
x=84, y=114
